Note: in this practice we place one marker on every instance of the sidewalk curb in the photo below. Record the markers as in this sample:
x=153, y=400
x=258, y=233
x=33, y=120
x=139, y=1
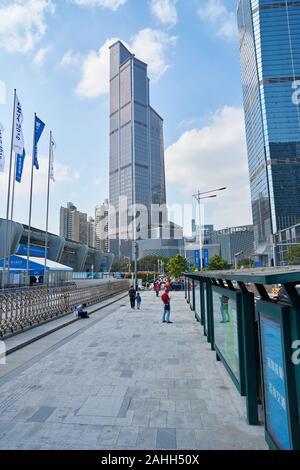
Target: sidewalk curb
x=57, y=328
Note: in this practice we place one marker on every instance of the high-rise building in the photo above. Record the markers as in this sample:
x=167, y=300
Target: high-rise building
x=91, y=232
x=101, y=226
x=74, y=225
x=269, y=34
x=136, y=167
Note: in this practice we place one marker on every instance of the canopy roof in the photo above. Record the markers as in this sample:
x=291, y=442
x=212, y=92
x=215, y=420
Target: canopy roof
x=266, y=276
x=18, y=264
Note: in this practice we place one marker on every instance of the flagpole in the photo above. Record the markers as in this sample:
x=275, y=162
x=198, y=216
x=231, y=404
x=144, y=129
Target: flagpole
x=30, y=201
x=47, y=211
x=6, y=245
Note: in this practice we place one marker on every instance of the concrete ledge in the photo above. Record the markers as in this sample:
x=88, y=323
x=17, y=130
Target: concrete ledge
x=92, y=309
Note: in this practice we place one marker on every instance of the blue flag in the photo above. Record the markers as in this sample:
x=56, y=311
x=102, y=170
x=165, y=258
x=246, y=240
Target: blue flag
x=39, y=127
x=19, y=166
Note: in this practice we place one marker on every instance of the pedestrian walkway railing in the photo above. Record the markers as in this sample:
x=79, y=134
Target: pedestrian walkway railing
x=257, y=338
x=26, y=307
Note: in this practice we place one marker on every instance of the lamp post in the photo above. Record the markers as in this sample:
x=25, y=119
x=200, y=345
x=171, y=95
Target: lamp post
x=236, y=257
x=199, y=197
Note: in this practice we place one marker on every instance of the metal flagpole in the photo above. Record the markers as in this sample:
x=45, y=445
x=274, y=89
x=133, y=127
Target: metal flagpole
x=47, y=210
x=30, y=202
x=6, y=245
x=12, y=206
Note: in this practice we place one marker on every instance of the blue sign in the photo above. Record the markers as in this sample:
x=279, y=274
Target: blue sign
x=258, y=264
x=197, y=258
x=19, y=264
x=37, y=251
x=206, y=258
x=277, y=420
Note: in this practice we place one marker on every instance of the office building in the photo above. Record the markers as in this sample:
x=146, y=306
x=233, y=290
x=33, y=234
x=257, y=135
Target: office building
x=91, y=232
x=76, y=255
x=136, y=161
x=74, y=225
x=284, y=240
x=101, y=226
x=236, y=243
x=269, y=35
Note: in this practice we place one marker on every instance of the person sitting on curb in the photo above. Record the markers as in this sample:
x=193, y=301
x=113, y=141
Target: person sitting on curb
x=81, y=312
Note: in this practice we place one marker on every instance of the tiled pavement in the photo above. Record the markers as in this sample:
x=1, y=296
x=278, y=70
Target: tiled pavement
x=126, y=382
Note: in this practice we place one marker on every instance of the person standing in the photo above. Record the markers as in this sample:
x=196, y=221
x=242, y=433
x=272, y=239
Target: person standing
x=167, y=309
x=132, y=296
x=138, y=301
x=157, y=287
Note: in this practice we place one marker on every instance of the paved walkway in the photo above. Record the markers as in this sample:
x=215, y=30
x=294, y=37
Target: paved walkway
x=124, y=381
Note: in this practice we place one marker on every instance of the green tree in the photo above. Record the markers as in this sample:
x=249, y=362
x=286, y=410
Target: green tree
x=292, y=256
x=246, y=263
x=176, y=265
x=216, y=263
x=150, y=263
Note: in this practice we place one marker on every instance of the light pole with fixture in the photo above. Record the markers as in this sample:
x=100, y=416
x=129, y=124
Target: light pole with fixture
x=199, y=198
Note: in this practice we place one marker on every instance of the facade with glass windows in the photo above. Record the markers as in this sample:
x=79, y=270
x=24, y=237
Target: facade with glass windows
x=269, y=36
x=136, y=140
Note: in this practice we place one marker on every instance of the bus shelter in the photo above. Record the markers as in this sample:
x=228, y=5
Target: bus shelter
x=257, y=338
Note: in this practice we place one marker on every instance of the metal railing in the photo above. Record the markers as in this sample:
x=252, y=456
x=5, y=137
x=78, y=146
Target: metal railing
x=26, y=307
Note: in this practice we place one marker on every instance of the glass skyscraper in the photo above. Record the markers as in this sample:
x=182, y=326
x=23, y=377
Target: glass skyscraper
x=269, y=36
x=136, y=167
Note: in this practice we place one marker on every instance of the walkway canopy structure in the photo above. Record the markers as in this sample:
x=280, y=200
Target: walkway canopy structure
x=257, y=339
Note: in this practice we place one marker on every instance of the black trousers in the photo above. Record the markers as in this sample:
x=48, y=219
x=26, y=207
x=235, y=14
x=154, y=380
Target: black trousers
x=83, y=315
x=132, y=302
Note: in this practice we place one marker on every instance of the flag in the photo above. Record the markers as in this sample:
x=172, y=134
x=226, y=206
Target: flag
x=39, y=127
x=52, y=148
x=18, y=139
x=2, y=156
x=19, y=166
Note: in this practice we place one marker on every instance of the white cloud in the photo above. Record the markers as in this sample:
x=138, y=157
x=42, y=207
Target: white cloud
x=63, y=174
x=165, y=11
x=22, y=24
x=223, y=19
x=211, y=157
x=41, y=55
x=149, y=45
x=69, y=59
x=95, y=72
x=111, y=4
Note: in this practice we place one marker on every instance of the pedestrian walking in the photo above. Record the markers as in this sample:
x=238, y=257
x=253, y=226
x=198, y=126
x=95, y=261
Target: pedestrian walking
x=138, y=301
x=167, y=309
x=132, y=296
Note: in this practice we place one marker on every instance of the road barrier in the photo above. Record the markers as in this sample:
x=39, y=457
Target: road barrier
x=257, y=340
x=27, y=307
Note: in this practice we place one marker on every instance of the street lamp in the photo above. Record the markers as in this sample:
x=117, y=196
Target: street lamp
x=236, y=257
x=199, y=198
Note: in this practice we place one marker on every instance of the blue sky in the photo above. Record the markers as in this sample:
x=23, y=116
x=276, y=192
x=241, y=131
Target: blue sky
x=55, y=53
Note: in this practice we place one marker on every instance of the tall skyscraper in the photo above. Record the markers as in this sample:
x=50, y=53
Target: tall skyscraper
x=136, y=167
x=269, y=33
